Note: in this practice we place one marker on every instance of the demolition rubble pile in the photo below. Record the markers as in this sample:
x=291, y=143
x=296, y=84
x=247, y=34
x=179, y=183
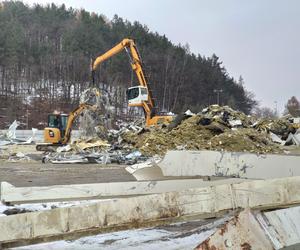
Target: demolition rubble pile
x=97, y=142
x=15, y=149
x=215, y=128
x=97, y=149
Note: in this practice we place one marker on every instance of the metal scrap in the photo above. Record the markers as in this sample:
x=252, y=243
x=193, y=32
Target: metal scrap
x=9, y=137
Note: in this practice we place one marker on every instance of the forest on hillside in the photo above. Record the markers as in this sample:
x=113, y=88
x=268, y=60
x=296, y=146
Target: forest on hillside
x=45, y=54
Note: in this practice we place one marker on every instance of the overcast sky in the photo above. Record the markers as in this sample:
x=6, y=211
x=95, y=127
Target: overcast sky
x=258, y=39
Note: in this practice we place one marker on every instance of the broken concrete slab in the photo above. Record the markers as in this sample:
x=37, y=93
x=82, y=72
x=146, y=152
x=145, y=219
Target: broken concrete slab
x=276, y=138
x=16, y=195
x=276, y=229
x=215, y=163
x=242, y=232
x=138, y=211
x=293, y=139
x=148, y=170
x=282, y=227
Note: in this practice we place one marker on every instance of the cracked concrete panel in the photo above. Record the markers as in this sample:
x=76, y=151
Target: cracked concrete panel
x=215, y=163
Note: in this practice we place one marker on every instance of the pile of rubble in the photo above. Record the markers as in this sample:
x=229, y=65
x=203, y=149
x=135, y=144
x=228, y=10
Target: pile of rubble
x=283, y=131
x=15, y=149
x=94, y=151
x=215, y=128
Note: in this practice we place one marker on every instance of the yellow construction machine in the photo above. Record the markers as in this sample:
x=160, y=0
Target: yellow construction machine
x=138, y=96
x=58, y=130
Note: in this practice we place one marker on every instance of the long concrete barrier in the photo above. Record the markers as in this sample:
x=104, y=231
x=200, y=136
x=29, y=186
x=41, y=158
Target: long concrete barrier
x=216, y=163
x=15, y=195
x=137, y=211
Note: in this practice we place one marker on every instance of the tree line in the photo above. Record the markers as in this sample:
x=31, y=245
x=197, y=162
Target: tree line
x=45, y=54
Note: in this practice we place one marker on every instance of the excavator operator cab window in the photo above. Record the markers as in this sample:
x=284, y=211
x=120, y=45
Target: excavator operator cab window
x=137, y=95
x=64, y=120
x=54, y=121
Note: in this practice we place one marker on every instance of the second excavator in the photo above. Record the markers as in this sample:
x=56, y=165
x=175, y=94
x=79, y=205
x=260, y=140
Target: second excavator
x=138, y=96
x=59, y=127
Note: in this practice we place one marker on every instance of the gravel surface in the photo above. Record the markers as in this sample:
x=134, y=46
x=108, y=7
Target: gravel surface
x=39, y=174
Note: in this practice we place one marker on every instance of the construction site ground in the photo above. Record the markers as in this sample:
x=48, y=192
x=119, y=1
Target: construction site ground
x=36, y=173
x=39, y=174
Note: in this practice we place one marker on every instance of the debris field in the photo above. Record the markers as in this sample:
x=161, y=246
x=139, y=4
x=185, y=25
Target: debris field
x=218, y=163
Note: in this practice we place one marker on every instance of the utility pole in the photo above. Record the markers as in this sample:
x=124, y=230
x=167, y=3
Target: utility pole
x=275, y=102
x=218, y=91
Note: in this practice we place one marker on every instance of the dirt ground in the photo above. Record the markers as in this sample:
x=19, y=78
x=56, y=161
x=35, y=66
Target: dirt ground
x=35, y=173
x=39, y=174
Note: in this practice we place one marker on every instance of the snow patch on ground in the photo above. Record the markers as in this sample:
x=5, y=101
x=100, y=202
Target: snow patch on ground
x=147, y=239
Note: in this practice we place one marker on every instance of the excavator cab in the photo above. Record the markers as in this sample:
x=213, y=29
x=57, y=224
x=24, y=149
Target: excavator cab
x=137, y=95
x=56, y=128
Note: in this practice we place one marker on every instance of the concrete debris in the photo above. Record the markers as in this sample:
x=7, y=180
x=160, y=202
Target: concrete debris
x=94, y=151
x=215, y=128
x=293, y=139
x=281, y=127
x=235, y=123
x=133, y=155
x=275, y=138
x=65, y=159
x=19, y=157
x=148, y=170
x=296, y=120
x=210, y=130
x=189, y=113
x=258, y=230
x=227, y=114
x=282, y=131
x=65, y=148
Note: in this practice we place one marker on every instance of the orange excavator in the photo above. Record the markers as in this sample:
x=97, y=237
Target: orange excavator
x=59, y=127
x=138, y=96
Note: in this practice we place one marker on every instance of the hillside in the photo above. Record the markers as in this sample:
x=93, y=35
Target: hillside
x=45, y=54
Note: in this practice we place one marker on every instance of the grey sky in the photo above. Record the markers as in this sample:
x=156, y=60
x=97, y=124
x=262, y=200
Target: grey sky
x=258, y=39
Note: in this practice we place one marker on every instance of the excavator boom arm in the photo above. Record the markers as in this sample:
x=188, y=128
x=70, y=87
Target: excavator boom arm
x=72, y=116
x=136, y=65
